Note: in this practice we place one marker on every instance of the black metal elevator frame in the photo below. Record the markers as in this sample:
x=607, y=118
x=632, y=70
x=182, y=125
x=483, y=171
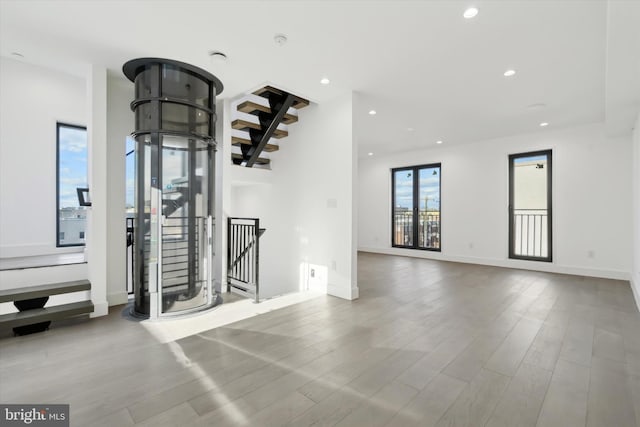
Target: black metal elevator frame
x=155, y=131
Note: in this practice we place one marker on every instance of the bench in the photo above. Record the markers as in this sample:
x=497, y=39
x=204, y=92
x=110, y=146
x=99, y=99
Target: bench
x=33, y=315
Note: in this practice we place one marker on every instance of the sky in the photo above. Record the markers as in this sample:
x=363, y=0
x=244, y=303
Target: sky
x=541, y=159
x=73, y=164
x=429, y=188
x=130, y=168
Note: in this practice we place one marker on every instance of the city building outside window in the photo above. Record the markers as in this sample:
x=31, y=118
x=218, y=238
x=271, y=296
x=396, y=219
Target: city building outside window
x=416, y=214
x=71, y=218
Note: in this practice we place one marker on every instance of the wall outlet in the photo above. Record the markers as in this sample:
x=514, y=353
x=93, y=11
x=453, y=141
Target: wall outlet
x=591, y=253
x=333, y=265
x=312, y=273
x=470, y=245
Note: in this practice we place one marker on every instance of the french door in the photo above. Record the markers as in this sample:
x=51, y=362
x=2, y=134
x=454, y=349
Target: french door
x=415, y=216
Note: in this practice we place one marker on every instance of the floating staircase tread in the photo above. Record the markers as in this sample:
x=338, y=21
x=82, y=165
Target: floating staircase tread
x=30, y=292
x=243, y=125
x=237, y=141
x=37, y=315
x=240, y=124
x=260, y=161
x=289, y=119
x=298, y=102
x=254, y=108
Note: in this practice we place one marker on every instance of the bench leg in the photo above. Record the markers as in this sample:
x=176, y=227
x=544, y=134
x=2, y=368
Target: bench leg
x=30, y=304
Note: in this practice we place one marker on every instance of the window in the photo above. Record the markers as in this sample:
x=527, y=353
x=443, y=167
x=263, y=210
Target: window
x=71, y=170
x=415, y=221
x=530, y=206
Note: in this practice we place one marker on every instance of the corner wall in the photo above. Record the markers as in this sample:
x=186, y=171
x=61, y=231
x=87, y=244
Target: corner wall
x=306, y=203
x=591, y=208
x=635, y=268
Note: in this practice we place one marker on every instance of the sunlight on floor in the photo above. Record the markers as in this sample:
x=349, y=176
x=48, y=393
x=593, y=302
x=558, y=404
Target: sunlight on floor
x=167, y=330
x=209, y=384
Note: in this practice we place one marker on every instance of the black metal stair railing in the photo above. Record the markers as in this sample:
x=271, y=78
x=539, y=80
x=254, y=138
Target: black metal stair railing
x=243, y=256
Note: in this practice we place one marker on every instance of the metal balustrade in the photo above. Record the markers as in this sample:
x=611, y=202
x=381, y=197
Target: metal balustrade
x=243, y=256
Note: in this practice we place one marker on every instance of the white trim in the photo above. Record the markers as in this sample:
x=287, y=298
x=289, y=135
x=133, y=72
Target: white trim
x=340, y=292
x=118, y=298
x=36, y=249
x=100, y=308
x=506, y=263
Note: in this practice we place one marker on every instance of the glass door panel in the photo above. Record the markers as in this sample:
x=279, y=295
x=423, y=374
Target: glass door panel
x=403, y=208
x=530, y=206
x=429, y=208
x=185, y=244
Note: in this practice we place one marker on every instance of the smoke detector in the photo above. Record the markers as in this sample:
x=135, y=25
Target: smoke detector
x=280, y=39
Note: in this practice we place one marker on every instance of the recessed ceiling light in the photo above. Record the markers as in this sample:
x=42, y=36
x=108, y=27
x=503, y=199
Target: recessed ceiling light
x=470, y=13
x=370, y=154
x=536, y=106
x=372, y=112
x=439, y=142
x=509, y=73
x=410, y=129
x=543, y=124
x=280, y=39
x=325, y=81
x=18, y=54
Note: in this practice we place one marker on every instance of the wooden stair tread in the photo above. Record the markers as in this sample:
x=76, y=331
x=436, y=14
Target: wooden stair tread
x=30, y=292
x=260, y=161
x=237, y=141
x=240, y=124
x=243, y=125
x=298, y=102
x=254, y=108
x=56, y=312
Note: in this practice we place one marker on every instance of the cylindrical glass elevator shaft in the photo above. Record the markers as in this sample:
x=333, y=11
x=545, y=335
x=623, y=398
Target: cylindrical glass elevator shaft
x=174, y=202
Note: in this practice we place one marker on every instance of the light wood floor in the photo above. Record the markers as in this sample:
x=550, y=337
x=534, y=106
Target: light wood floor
x=427, y=344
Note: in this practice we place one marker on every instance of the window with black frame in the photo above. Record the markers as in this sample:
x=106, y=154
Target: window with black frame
x=530, y=213
x=416, y=214
x=71, y=174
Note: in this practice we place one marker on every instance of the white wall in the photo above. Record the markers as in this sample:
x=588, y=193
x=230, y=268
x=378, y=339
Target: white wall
x=306, y=203
x=32, y=100
x=635, y=272
x=97, y=215
x=120, y=123
x=591, y=208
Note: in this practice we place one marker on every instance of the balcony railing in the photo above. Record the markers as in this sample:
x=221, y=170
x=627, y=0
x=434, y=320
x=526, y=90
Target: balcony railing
x=530, y=232
x=428, y=229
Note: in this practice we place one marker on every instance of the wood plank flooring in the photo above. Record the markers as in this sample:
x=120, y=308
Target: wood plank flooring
x=428, y=343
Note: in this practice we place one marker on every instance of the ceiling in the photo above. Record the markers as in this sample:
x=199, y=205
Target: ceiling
x=429, y=73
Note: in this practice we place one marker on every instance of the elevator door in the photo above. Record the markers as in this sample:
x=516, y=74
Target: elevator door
x=186, y=226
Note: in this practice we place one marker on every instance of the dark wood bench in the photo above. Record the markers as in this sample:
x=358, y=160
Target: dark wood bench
x=33, y=315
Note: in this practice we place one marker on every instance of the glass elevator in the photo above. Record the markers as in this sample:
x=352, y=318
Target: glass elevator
x=175, y=149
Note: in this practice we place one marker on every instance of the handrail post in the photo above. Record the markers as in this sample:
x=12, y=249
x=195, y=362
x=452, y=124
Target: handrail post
x=229, y=258
x=256, y=237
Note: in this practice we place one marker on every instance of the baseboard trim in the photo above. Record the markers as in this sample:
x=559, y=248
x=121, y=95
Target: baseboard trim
x=340, y=292
x=505, y=263
x=100, y=308
x=635, y=288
